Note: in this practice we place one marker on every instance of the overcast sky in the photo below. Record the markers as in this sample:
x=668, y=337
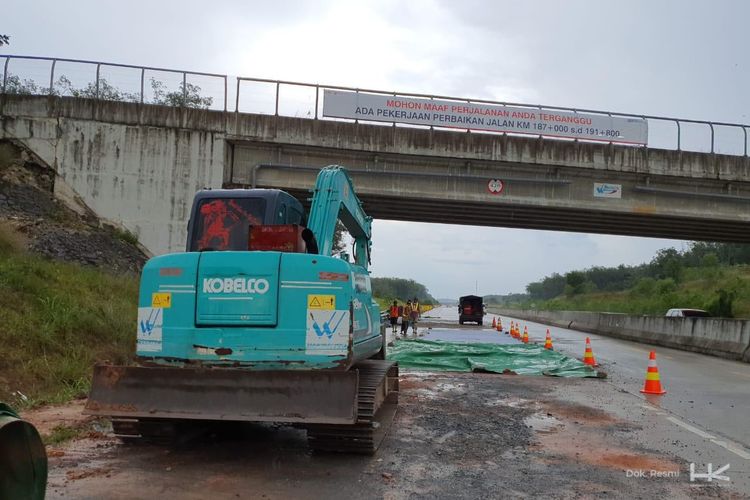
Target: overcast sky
x=676, y=58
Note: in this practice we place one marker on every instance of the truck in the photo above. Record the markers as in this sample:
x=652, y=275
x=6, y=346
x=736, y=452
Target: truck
x=258, y=321
x=470, y=308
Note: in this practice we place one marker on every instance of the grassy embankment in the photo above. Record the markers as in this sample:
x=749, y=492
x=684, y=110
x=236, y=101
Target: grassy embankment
x=698, y=288
x=56, y=321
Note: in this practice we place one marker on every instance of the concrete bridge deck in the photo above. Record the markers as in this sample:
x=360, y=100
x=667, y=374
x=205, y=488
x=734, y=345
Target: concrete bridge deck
x=140, y=164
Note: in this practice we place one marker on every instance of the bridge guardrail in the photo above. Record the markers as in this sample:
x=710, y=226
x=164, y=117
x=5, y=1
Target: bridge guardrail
x=314, y=113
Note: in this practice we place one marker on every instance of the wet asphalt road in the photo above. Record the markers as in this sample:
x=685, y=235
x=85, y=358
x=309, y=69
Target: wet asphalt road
x=706, y=396
x=458, y=436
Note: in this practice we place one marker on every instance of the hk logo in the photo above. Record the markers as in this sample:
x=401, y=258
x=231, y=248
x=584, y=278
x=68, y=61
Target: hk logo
x=710, y=475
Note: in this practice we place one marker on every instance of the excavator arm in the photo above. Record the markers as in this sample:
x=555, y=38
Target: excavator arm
x=334, y=199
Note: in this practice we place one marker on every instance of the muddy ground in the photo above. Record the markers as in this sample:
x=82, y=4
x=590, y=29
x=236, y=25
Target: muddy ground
x=455, y=436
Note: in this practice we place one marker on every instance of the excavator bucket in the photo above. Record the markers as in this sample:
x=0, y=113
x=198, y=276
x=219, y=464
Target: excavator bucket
x=228, y=394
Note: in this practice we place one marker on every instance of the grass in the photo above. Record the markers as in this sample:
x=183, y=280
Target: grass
x=125, y=235
x=698, y=288
x=56, y=321
x=61, y=434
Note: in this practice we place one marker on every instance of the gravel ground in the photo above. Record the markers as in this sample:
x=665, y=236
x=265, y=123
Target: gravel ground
x=52, y=229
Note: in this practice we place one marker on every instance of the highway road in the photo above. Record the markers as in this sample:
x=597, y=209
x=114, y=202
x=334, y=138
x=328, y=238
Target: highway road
x=460, y=436
x=707, y=396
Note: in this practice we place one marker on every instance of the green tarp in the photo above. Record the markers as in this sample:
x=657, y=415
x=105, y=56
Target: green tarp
x=523, y=359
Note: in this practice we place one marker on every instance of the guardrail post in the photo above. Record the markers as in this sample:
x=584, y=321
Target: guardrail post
x=143, y=79
x=317, y=96
x=678, y=134
x=276, y=112
x=712, y=136
x=237, y=97
x=98, y=67
x=184, y=89
x=356, y=91
x=5, y=73
x=540, y=112
x=225, y=93
x=52, y=77
x=744, y=131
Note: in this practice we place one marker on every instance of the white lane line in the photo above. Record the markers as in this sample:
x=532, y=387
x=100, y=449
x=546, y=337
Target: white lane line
x=733, y=448
x=689, y=427
x=654, y=409
x=729, y=446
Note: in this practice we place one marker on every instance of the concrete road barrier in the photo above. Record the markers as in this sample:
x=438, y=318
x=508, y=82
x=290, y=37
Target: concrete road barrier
x=726, y=338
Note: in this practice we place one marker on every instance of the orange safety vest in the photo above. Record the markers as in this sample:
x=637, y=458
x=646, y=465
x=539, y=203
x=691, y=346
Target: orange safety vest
x=394, y=311
x=407, y=311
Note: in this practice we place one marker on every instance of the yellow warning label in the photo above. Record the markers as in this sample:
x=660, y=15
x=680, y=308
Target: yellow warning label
x=161, y=300
x=321, y=302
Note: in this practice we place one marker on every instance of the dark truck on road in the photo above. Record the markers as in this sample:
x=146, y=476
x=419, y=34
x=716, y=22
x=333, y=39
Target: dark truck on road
x=470, y=308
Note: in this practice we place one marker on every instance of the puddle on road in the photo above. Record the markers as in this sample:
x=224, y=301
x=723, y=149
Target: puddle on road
x=543, y=423
x=510, y=402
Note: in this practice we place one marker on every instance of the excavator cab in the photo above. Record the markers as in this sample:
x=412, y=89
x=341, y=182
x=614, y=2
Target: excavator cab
x=257, y=321
x=224, y=219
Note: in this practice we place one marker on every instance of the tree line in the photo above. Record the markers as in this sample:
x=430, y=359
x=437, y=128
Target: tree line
x=660, y=276
x=401, y=289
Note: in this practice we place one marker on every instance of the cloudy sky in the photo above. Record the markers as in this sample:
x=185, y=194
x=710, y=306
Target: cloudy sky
x=675, y=58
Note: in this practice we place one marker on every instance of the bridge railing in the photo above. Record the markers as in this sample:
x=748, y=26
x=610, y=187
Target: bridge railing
x=188, y=93
x=300, y=99
x=737, y=145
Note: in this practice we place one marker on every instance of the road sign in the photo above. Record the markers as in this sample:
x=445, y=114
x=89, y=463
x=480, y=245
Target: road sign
x=487, y=117
x=495, y=186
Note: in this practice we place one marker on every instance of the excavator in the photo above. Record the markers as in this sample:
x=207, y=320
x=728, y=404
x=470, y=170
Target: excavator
x=258, y=321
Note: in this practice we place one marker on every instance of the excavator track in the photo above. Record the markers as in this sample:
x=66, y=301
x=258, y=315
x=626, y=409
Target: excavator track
x=162, y=432
x=377, y=400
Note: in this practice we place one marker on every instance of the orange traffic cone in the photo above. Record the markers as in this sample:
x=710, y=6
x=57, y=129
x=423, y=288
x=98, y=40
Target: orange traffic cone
x=496, y=326
x=510, y=330
x=652, y=384
x=548, y=341
x=518, y=332
x=494, y=322
x=588, y=355
x=500, y=326
x=525, y=335
x=513, y=329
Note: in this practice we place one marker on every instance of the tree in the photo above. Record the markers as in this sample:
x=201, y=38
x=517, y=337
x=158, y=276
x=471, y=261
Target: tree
x=4, y=40
x=188, y=95
x=576, y=281
x=106, y=91
x=340, y=237
x=668, y=264
x=14, y=85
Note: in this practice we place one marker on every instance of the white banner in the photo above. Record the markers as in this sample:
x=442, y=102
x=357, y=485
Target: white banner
x=489, y=117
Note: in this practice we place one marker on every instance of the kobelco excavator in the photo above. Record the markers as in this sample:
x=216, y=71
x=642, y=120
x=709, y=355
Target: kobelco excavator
x=257, y=321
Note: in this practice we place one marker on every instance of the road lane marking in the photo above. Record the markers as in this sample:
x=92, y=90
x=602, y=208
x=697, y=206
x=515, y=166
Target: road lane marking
x=742, y=374
x=729, y=446
x=689, y=427
x=733, y=448
x=654, y=409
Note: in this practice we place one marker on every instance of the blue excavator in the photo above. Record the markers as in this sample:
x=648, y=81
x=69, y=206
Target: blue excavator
x=258, y=322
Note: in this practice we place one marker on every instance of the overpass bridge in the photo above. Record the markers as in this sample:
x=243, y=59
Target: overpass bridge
x=139, y=164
